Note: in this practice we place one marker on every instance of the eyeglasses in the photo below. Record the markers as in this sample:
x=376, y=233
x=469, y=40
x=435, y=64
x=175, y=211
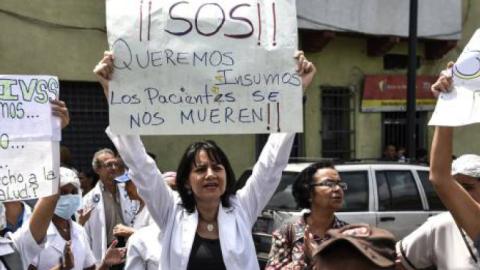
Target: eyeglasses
x=331, y=184
x=110, y=165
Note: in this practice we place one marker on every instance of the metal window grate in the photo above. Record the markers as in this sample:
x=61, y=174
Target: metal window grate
x=88, y=120
x=395, y=128
x=337, y=123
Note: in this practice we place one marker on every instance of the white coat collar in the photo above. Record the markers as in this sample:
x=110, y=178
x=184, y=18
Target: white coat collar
x=189, y=229
x=96, y=197
x=226, y=226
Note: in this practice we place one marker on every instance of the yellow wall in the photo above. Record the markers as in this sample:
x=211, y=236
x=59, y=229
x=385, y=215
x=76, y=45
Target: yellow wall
x=344, y=62
x=240, y=149
x=35, y=47
x=466, y=138
x=31, y=47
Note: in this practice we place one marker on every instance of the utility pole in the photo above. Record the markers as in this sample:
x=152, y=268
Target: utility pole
x=411, y=79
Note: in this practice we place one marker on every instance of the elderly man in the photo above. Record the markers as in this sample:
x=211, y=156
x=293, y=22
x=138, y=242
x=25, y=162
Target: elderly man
x=108, y=202
x=440, y=242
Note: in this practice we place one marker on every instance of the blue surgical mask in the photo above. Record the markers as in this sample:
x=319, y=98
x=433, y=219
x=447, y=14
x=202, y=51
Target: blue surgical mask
x=67, y=205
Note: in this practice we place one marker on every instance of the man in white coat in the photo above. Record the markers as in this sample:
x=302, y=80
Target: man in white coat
x=108, y=202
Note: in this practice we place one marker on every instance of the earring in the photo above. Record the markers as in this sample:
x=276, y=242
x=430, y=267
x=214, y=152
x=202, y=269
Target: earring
x=189, y=191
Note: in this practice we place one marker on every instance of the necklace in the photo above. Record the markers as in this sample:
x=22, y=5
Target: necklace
x=210, y=224
x=210, y=227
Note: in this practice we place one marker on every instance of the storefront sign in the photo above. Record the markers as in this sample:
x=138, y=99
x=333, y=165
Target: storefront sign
x=388, y=93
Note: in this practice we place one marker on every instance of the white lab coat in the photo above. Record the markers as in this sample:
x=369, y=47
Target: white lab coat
x=55, y=245
x=23, y=242
x=438, y=243
x=178, y=227
x=95, y=227
x=142, y=219
x=143, y=249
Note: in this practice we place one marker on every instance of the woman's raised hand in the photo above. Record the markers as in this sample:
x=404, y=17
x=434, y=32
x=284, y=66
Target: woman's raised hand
x=444, y=81
x=104, y=70
x=305, y=69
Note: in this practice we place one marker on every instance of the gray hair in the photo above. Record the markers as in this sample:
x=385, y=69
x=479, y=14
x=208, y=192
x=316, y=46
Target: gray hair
x=95, y=162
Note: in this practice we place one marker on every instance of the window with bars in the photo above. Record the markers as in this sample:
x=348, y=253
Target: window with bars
x=88, y=119
x=395, y=129
x=338, y=140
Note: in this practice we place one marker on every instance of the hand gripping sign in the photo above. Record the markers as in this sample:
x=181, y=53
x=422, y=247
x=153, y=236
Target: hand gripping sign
x=204, y=67
x=461, y=106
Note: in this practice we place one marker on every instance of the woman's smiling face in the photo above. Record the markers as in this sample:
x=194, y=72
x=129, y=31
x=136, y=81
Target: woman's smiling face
x=207, y=178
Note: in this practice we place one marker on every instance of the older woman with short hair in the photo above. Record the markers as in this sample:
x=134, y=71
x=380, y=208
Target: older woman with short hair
x=318, y=188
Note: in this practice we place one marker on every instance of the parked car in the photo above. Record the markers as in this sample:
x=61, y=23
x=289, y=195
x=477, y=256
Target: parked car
x=390, y=195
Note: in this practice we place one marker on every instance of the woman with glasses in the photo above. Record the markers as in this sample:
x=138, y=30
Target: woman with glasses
x=319, y=190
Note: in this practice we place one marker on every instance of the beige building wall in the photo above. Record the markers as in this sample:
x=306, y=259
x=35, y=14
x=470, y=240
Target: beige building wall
x=66, y=38
x=466, y=138
x=344, y=62
x=52, y=37
x=240, y=149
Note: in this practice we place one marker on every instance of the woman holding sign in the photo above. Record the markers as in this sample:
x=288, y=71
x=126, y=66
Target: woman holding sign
x=207, y=225
x=66, y=238
x=18, y=248
x=462, y=202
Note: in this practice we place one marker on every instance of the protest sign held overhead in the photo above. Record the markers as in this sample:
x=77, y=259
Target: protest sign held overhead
x=25, y=107
x=29, y=137
x=204, y=67
x=28, y=169
x=461, y=106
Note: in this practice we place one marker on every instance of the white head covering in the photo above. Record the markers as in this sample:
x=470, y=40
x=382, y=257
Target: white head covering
x=468, y=165
x=68, y=176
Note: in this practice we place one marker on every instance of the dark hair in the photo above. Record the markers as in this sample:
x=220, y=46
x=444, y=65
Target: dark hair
x=186, y=165
x=302, y=191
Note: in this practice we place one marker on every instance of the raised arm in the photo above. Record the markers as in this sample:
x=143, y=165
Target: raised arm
x=143, y=170
x=267, y=172
x=43, y=211
x=463, y=207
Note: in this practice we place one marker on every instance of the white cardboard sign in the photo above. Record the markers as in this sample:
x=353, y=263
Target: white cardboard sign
x=29, y=137
x=204, y=67
x=25, y=110
x=461, y=106
x=28, y=169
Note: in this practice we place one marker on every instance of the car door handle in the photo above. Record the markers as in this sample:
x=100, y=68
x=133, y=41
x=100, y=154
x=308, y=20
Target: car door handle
x=387, y=218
